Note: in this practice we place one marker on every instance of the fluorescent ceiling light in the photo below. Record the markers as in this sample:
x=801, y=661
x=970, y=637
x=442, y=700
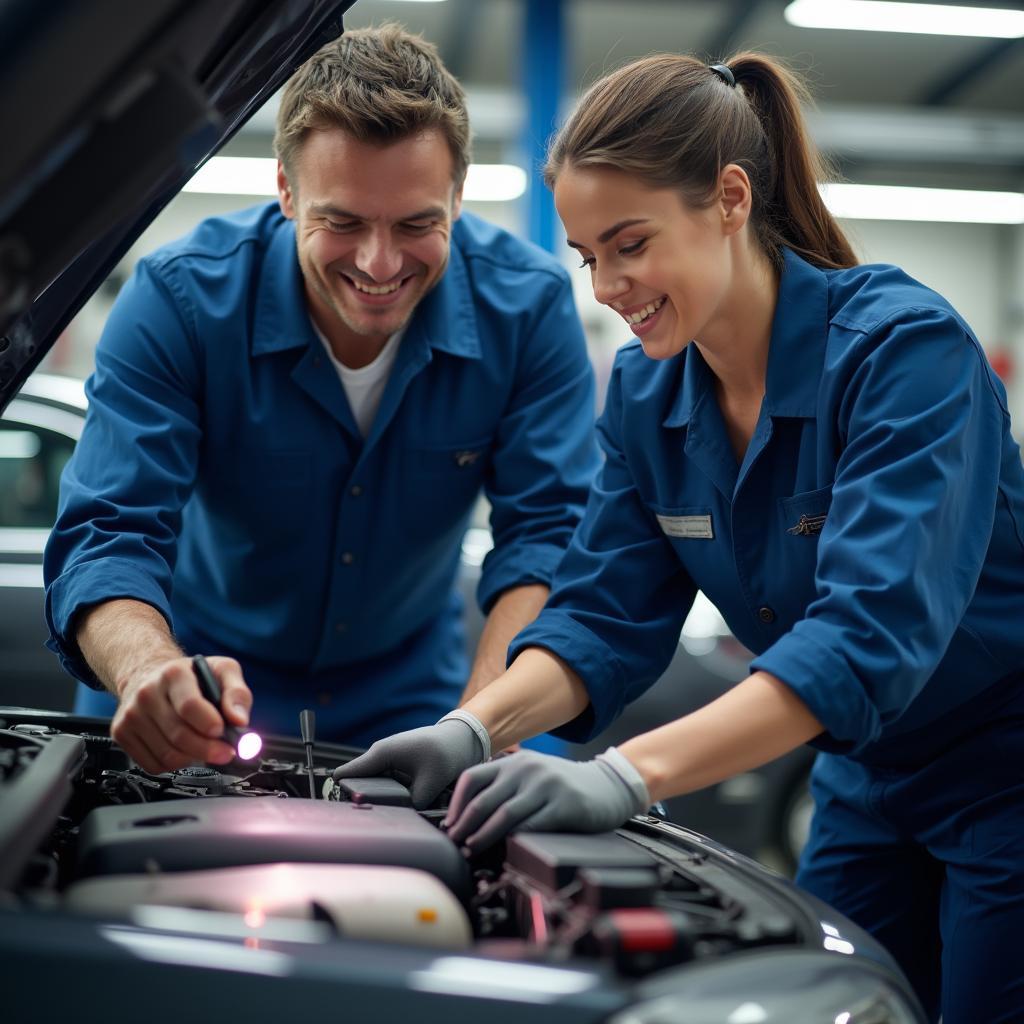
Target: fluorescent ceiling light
x=494, y=183
x=929, y=19
x=257, y=176
x=894, y=202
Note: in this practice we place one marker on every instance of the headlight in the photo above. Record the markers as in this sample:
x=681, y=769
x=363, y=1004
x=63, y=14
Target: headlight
x=776, y=988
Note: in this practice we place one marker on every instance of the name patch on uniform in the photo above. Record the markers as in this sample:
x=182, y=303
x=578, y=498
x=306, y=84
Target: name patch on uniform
x=690, y=527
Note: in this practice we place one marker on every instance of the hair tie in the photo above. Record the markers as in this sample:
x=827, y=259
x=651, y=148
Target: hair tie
x=724, y=74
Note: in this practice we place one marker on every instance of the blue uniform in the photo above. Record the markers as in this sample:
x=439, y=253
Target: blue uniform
x=222, y=479
x=870, y=550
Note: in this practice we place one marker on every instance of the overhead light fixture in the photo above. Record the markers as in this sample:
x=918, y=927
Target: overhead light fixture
x=257, y=176
x=897, y=202
x=885, y=16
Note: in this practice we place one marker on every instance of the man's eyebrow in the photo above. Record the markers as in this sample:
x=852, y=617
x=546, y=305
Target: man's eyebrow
x=612, y=231
x=429, y=213
x=334, y=211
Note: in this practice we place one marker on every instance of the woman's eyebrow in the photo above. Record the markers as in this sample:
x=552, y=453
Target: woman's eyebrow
x=612, y=231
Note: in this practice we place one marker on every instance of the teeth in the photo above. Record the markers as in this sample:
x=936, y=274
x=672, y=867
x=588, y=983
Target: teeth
x=641, y=315
x=384, y=289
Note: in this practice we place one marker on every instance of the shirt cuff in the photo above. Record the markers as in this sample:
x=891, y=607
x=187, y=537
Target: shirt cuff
x=92, y=583
x=824, y=681
x=590, y=658
x=516, y=566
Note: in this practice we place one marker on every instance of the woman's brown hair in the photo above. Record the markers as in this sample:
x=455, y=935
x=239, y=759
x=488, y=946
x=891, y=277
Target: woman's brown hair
x=675, y=123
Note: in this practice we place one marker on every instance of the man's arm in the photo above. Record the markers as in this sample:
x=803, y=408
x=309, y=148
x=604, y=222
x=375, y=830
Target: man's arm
x=516, y=608
x=162, y=721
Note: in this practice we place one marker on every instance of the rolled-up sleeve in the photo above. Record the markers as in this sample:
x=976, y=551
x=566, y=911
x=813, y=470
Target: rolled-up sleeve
x=620, y=594
x=905, y=539
x=133, y=469
x=545, y=454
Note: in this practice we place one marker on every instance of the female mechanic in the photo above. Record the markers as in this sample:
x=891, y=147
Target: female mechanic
x=822, y=448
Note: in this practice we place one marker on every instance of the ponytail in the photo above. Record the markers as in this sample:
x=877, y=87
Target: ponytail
x=795, y=215
x=675, y=122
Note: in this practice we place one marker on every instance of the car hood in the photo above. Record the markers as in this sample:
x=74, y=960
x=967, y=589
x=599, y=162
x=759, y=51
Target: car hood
x=108, y=109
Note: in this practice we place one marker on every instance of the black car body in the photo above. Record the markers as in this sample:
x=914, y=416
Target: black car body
x=210, y=892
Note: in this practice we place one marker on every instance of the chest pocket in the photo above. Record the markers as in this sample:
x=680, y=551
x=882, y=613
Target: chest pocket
x=799, y=523
x=440, y=485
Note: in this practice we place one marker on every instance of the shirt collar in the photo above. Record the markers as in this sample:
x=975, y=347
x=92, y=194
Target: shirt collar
x=445, y=318
x=796, y=352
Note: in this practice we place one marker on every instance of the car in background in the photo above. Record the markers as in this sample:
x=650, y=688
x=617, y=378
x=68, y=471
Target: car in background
x=38, y=431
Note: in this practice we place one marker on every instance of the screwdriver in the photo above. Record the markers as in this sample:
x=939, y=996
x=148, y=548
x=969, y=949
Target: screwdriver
x=307, y=726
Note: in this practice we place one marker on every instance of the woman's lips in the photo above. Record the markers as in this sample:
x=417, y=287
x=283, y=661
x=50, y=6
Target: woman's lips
x=645, y=326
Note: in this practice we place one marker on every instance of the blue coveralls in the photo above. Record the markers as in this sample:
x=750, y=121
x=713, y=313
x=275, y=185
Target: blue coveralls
x=222, y=479
x=870, y=550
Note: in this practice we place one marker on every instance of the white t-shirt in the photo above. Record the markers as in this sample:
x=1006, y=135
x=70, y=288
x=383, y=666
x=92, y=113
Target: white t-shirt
x=365, y=386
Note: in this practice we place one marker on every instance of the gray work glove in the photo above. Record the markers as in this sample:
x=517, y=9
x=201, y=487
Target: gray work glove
x=426, y=759
x=531, y=792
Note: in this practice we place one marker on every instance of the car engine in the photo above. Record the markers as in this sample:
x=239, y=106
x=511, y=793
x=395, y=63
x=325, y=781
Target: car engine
x=256, y=855
x=248, y=840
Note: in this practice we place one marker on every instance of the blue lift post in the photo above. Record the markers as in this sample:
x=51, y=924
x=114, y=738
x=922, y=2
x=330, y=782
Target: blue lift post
x=543, y=56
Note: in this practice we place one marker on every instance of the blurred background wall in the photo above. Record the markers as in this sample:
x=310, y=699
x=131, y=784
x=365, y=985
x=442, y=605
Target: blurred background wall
x=894, y=108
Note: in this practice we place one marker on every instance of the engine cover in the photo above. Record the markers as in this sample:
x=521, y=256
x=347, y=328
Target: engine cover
x=192, y=835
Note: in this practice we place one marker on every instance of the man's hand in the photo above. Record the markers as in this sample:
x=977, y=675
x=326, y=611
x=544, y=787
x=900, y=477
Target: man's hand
x=164, y=722
x=534, y=792
x=426, y=759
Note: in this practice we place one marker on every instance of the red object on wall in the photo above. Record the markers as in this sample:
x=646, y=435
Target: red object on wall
x=1001, y=361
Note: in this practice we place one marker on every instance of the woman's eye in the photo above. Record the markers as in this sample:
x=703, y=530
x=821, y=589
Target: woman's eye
x=588, y=261
x=633, y=247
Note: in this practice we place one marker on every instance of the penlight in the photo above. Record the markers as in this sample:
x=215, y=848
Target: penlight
x=249, y=745
x=246, y=744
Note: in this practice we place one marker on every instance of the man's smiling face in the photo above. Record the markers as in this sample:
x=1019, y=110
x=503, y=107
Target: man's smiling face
x=373, y=228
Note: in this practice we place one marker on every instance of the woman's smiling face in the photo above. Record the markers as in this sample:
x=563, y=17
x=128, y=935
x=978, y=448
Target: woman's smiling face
x=662, y=265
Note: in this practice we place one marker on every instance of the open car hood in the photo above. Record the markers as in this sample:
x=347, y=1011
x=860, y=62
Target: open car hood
x=108, y=109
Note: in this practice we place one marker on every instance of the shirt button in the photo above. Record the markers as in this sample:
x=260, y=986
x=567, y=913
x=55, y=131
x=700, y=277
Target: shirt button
x=348, y=558
x=355, y=491
x=765, y=614
x=341, y=627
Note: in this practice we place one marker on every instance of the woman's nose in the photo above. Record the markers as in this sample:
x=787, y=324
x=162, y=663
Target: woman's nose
x=608, y=286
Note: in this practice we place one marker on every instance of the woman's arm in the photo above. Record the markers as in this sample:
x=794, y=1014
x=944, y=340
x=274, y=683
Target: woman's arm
x=755, y=722
x=538, y=692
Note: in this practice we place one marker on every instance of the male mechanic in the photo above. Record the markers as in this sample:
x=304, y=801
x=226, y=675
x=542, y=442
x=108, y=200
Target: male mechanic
x=294, y=409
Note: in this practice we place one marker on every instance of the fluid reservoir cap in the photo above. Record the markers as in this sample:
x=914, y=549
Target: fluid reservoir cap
x=199, y=777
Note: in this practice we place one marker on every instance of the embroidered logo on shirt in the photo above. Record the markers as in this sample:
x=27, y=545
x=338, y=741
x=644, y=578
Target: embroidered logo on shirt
x=689, y=527
x=807, y=525
x=466, y=458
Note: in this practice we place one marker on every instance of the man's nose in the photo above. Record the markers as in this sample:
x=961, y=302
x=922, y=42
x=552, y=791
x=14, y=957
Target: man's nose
x=379, y=258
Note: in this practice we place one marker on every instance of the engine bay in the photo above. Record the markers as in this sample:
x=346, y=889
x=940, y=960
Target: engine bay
x=85, y=831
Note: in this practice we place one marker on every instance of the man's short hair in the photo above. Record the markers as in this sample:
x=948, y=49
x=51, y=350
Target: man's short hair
x=380, y=85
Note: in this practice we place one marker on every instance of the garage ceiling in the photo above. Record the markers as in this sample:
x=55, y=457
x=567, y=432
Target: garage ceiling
x=898, y=108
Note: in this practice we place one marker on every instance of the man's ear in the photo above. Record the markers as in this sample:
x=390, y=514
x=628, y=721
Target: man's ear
x=735, y=197
x=457, y=204
x=285, y=195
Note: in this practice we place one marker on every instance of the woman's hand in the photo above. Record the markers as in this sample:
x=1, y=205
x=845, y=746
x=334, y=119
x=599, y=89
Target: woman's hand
x=532, y=792
x=426, y=759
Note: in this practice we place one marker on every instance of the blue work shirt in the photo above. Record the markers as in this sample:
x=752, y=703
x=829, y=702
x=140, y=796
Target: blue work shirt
x=869, y=548
x=221, y=477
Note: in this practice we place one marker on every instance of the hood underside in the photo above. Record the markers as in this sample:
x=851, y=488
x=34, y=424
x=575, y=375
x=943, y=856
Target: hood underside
x=108, y=110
